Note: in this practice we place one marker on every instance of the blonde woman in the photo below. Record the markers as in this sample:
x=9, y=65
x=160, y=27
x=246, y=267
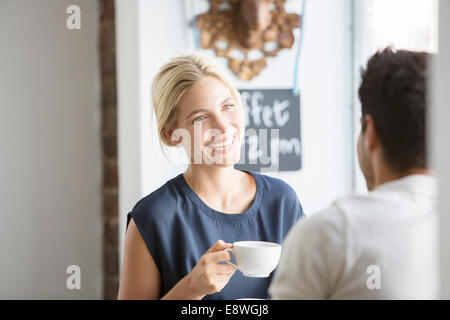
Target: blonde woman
x=176, y=236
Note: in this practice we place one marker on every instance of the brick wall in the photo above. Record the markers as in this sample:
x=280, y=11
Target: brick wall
x=109, y=142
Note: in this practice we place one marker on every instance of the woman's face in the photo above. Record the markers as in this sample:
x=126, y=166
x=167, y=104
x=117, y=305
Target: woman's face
x=211, y=123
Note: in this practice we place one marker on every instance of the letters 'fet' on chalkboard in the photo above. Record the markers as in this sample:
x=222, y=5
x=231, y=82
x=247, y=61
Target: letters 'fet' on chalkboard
x=272, y=135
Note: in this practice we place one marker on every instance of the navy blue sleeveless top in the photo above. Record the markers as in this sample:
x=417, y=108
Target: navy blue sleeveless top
x=178, y=228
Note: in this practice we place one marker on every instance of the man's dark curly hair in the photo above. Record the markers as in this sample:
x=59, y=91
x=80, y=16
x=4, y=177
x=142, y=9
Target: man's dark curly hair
x=393, y=92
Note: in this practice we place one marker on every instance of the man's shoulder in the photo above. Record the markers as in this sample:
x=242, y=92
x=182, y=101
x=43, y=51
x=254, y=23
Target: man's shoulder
x=353, y=202
x=335, y=215
x=328, y=223
x=331, y=215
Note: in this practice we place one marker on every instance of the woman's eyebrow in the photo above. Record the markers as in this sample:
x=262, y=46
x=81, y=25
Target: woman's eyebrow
x=205, y=110
x=196, y=111
x=226, y=100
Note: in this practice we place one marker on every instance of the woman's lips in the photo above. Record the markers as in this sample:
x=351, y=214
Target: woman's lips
x=223, y=146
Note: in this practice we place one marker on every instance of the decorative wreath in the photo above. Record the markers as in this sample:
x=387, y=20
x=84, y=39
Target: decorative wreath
x=234, y=28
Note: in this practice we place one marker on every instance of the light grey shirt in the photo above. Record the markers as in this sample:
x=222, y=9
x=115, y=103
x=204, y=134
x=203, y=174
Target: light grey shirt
x=378, y=246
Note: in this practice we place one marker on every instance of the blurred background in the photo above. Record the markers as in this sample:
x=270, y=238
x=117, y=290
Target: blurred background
x=78, y=140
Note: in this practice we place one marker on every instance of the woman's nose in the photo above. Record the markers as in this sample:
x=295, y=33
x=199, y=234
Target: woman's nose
x=221, y=124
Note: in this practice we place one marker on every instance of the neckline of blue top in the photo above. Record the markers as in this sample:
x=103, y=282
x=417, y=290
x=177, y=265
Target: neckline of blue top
x=227, y=217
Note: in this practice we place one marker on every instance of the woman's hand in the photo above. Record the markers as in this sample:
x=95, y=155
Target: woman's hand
x=208, y=276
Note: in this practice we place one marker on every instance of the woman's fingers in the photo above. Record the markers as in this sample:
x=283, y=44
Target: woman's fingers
x=224, y=269
x=218, y=256
x=209, y=275
x=219, y=245
x=220, y=281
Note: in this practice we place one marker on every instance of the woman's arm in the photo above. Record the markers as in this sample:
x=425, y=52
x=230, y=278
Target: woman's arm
x=140, y=278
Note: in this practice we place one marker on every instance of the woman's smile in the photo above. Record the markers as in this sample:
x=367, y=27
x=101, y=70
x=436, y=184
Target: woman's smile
x=224, y=145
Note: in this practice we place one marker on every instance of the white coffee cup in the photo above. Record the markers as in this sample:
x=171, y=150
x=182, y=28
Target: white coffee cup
x=255, y=258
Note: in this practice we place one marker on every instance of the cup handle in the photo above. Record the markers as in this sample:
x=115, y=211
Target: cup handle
x=231, y=252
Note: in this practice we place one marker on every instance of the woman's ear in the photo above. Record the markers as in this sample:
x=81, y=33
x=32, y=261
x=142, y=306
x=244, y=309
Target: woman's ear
x=173, y=140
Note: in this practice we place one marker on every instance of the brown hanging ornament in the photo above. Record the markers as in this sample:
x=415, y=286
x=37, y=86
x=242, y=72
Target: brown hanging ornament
x=245, y=26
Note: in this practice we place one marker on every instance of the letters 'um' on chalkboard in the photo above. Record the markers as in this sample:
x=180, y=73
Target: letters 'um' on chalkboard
x=272, y=135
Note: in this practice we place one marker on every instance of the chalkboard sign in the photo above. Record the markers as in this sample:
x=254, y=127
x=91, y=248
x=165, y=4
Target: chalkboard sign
x=272, y=136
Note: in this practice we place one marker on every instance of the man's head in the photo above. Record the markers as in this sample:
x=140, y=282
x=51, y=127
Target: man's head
x=393, y=99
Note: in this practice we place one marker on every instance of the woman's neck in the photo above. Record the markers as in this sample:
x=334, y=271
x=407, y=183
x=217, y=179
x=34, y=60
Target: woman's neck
x=213, y=184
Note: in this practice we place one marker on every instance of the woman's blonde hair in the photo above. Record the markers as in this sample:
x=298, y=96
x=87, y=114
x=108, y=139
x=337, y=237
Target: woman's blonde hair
x=174, y=79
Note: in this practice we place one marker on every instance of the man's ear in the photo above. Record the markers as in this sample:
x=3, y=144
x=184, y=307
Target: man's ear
x=171, y=138
x=371, y=134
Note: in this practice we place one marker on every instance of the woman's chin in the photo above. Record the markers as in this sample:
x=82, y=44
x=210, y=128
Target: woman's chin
x=222, y=159
x=225, y=162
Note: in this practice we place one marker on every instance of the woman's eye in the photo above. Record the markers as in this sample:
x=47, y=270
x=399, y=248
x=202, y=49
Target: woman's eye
x=228, y=106
x=199, y=118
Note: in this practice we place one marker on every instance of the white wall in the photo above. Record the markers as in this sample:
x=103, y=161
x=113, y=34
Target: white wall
x=50, y=161
x=325, y=84
x=363, y=48
x=440, y=116
x=128, y=60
